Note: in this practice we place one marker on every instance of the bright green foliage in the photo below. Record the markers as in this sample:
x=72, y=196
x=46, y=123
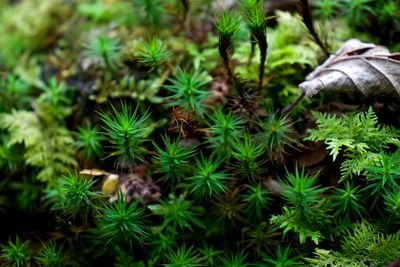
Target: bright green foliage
x=388, y=13
x=257, y=199
x=13, y=94
x=104, y=51
x=16, y=253
x=153, y=54
x=210, y=255
x=207, y=181
x=246, y=154
x=48, y=146
x=347, y=201
x=173, y=161
x=383, y=177
x=178, y=213
x=235, y=260
x=358, y=136
x=227, y=25
x=89, y=141
x=127, y=133
x=305, y=214
x=187, y=90
x=183, y=257
x=363, y=246
x=225, y=130
x=281, y=258
x=391, y=199
x=50, y=256
x=74, y=194
x=275, y=135
x=121, y=224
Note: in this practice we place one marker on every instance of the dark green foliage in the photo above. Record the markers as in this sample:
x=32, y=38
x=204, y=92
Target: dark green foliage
x=127, y=133
x=235, y=260
x=153, y=11
x=161, y=244
x=50, y=256
x=207, y=181
x=227, y=25
x=276, y=133
x=347, y=201
x=89, y=141
x=326, y=9
x=225, y=130
x=74, y=194
x=281, y=258
x=104, y=50
x=14, y=94
x=187, y=90
x=357, y=12
x=253, y=13
x=178, y=213
x=121, y=224
x=391, y=199
x=258, y=200
x=247, y=157
x=183, y=257
x=210, y=255
x=16, y=253
x=173, y=160
x=153, y=54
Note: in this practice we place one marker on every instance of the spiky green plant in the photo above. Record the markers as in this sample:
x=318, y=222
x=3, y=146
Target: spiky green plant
x=178, y=213
x=326, y=9
x=187, y=90
x=88, y=141
x=225, y=130
x=153, y=11
x=234, y=260
x=50, y=256
x=391, y=199
x=207, y=181
x=74, y=194
x=275, y=135
x=227, y=25
x=14, y=94
x=121, y=224
x=247, y=156
x=357, y=12
x=183, y=257
x=210, y=255
x=347, y=202
x=281, y=258
x=104, y=50
x=53, y=101
x=153, y=54
x=173, y=161
x=257, y=200
x=161, y=244
x=16, y=253
x=254, y=14
x=127, y=133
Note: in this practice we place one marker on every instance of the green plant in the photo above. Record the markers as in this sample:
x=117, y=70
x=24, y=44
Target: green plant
x=50, y=256
x=247, y=157
x=210, y=255
x=89, y=141
x=281, y=258
x=357, y=12
x=326, y=9
x=153, y=54
x=391, y=199
x=121, y=224
x=104, y=51
x=127, y=133
x=227, y=25
x=306, y=212
x=161, y=244
x=178, y=213
x=234, y=260
x=253, y=13
x=347, y=201
x=73, y=194
x=225, y=130
x=207, y=181
x=358, y=135
x=187, y=90
x=16, y=253
x=152, y=11
x=173, y=160
x=257, y=199
x=14, y=94
x=276, y=133
x=183, y=257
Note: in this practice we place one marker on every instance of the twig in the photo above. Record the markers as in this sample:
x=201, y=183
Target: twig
x=289, y=108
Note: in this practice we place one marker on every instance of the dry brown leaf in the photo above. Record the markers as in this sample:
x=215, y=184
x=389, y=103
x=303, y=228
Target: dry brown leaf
x=357, y=66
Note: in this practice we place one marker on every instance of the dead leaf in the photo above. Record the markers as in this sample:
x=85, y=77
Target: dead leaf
x=94, y=172
x=357, y=66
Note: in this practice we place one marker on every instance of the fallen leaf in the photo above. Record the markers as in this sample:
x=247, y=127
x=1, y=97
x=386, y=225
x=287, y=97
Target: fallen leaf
x=357, y=66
